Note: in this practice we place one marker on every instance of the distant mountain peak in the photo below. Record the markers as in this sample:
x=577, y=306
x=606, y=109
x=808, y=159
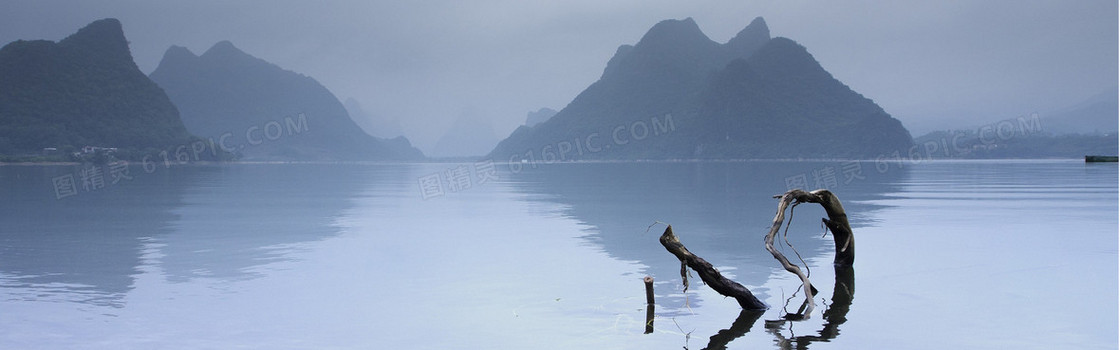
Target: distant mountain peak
x=743, y=99
x=672, y=33
x=224, y=45
x=758, y=24
x=101, y=38
x=750, y=38
x=178, y=54
x=225, y=54
x=99, y=30
x=83, y=90
x=223, y=49
x=674, y=45
x=229, y=91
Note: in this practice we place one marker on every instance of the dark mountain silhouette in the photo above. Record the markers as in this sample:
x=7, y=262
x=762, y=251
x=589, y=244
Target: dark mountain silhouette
x=677, y=94
x=265, y=112
x=781, y=103
x=84, y=90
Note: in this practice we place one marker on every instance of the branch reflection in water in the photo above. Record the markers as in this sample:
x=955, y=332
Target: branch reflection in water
x=835, y=314
x=843, y=291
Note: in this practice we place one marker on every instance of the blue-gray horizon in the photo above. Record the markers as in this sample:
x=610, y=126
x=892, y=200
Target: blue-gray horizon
x=930, y=65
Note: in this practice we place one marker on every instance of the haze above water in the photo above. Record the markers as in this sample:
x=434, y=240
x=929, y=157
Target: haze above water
x=951, y=254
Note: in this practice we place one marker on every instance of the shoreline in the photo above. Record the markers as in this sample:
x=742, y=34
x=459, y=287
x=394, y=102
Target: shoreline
x=37, y=163
x=259, y=162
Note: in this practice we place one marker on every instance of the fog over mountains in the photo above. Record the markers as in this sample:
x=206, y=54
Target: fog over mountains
x=933, y=66
x=677, y=94
x=265, y=112
x=471, y=135
x=373, y=123
x=1094, y=115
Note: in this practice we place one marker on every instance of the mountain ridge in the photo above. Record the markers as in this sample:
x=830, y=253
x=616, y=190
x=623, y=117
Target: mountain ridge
x=226, y=92
x=718, y=99
x=84, y=90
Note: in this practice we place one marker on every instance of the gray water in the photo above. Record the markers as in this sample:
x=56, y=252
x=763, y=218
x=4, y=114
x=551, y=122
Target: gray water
x=951, y=254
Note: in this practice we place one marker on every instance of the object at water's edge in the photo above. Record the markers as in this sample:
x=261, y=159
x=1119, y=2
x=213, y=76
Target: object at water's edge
x=649, y=289
x=1101, y=159
x=648, y=280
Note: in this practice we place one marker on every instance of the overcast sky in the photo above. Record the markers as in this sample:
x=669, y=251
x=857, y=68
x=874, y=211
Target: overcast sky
x=931, y=64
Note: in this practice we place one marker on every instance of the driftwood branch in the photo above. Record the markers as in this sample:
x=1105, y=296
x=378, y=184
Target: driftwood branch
x=837, y=223
x=709, y=274
x=779, y=219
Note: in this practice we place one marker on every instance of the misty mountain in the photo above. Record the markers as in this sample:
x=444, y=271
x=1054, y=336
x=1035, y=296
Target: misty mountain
x=470, y=135
x=1086, y=128
x=84, y=90
x=1006, y=139
x=540, y=116
x=1095, y=115
x=373, y=124
x=677, y=94
x=264, y=112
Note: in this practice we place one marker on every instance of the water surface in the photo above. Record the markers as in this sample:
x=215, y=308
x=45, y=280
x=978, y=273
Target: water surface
x=951, y=254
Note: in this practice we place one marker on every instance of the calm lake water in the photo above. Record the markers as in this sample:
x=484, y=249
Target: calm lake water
x=951, y=254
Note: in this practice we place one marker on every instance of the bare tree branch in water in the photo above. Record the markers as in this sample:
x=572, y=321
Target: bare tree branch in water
x=837, y=222
x=843, y=291
x=709, y=274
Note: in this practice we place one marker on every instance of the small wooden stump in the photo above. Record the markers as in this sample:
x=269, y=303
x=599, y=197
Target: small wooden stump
x=649, y=289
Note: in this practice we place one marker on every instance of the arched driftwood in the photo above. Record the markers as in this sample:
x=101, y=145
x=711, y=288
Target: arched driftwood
x=837, y=222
